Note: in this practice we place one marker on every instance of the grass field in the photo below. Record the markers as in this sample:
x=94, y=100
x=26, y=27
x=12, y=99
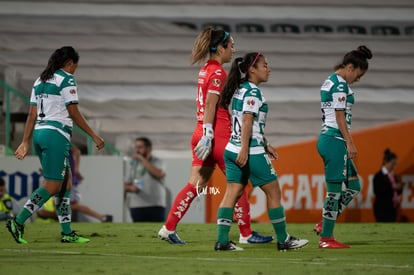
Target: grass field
x=134, y=249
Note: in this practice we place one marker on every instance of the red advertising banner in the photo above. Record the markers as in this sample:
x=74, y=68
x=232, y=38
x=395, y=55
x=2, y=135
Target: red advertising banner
x=301, y=177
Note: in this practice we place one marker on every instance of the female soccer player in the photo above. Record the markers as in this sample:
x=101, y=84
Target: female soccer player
x=53, y=108
x=248, y=155
x=335, y=144
x=210, y=135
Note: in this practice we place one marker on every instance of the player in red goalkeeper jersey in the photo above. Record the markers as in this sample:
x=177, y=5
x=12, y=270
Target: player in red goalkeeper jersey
x=210, y=136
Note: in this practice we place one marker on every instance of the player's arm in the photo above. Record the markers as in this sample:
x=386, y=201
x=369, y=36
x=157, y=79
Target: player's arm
x=23, y=148
x=210, y=108
x=343, y=128
x=79, y=119
x=246, y=133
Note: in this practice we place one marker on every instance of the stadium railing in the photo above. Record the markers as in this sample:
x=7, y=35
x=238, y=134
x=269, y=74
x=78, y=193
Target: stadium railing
x=8, y=120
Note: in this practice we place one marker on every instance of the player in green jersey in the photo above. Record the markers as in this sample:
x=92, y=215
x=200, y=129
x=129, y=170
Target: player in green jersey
x=53, y=109
x=335, y=144
x=248, y=155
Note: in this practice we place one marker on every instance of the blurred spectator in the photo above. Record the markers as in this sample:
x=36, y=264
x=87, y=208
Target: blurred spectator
x=47, y=213
x=8, y=206
x=75, y=195
x=144, y=185
x=387, y=190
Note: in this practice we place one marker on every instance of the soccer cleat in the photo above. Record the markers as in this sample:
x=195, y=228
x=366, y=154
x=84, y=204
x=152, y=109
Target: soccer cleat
x=169, y=236
x=16, y=230
x=255, y=238
x=228, y=246
x=73, y=238
x=107, y=218
x=327, y=242
x=291, y=243
x=318, y=228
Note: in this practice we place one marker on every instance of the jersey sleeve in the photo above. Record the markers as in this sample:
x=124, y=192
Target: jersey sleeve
x=339, y=95
x=216, y=81
x=69, y=91
x=252, y=102
x=33, y=98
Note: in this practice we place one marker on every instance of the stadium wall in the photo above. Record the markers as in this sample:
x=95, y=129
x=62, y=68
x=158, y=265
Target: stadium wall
x=301, y=177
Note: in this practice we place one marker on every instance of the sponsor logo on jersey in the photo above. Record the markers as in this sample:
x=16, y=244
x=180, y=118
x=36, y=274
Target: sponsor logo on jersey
x=326, y=104
x=341, y=98
x=202, y=73
x=216, y=82
x=327, y=85
x=250, y=102
x=340, y=87
x=218, y=72
x=72, y=91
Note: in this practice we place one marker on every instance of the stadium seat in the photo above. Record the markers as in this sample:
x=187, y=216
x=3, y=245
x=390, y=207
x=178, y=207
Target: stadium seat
x=352, y=29
x=284, y=28
x=188, y=25
x=218, y=25
x=249, y=27
x=385, y=30
x=409, y=30
x=318, y=29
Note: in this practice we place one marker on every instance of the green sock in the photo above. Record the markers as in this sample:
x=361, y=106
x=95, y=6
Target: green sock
x=224, y=219
x=64, y=212
x=330, y=208
x=37, y=199
x=278, y=219
x=352, y=190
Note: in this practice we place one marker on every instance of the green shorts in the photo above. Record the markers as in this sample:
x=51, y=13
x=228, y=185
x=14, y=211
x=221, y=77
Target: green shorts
x=53, y=151
x=338, y=168
x=259, y=169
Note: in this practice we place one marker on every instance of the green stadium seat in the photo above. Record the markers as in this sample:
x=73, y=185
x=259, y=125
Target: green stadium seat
x=318, y=28
x=186, y=25
x=217, y=25
x=249, y=27
x=409, y=30
x=385, y=30
x=352, y=29
x=284, y=28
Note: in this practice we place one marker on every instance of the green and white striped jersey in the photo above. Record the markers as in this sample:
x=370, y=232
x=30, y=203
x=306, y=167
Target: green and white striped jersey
x=248, y=99
x=335, y=95
x=51, y=98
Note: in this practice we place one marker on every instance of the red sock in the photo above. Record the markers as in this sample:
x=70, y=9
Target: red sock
x=180, y=206
x=242, y=214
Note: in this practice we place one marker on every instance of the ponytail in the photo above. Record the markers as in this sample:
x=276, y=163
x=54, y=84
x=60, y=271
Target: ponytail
x=207, y=42
x=57, y=60
x=240, y=65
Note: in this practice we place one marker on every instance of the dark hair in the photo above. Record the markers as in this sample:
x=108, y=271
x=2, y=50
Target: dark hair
x=389, y=156
x=57, y=60
x=2, y=182
x=358, y=58
x=147, y=142
x=239, y=66
x=208, y=41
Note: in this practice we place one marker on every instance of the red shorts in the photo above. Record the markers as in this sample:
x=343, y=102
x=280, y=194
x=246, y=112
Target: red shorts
x=221, y=138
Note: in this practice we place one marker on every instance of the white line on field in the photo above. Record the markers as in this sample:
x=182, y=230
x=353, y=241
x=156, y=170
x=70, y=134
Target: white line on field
x=239, y=259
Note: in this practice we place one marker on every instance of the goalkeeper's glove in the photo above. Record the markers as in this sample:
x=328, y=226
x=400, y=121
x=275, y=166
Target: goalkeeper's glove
x=204, y=146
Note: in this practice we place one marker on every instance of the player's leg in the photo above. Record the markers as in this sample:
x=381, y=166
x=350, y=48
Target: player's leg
x=352, y=187
x=263, y=175
x=334, y=154
x=277, y=217
x=53, y=150
x=225, y=217
x=236, y=182
x=242, y=207
x=198, y=179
